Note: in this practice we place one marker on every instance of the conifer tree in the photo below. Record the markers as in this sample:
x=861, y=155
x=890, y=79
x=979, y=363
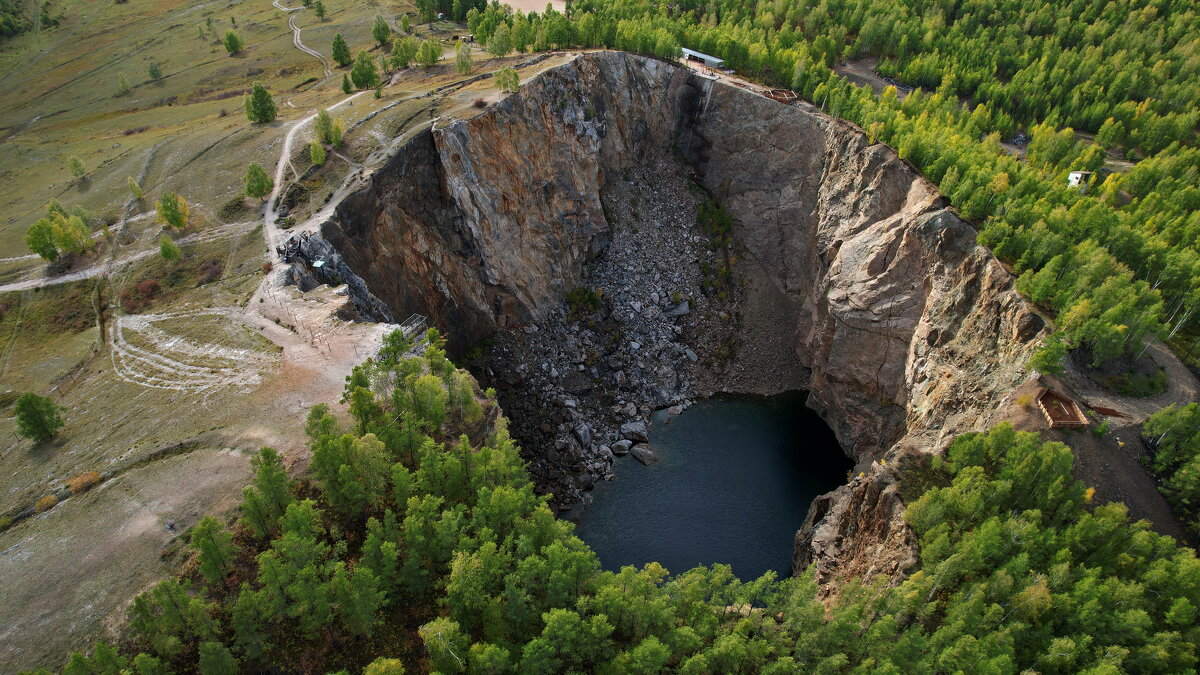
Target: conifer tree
x=364, y=75
x=316, y=153
x=347, y=88
x=233, y=42
x=266, y=500
x=259, y=105
x=319, y=8
x=258, y=183
x=216, y=659
x=155, y=71
x=173, y=210
x=215, y=545
x=135, y=190
x=122, y=85
x=341, y=51
x=381, y=31
x=75, y=165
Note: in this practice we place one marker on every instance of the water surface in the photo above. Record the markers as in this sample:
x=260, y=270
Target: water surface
x=736, y=476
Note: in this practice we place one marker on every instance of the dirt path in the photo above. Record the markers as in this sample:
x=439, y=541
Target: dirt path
x=115, y=263
x=271, y=231
x=293, y=13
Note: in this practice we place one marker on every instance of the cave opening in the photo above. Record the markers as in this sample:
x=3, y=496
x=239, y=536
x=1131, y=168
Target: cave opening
x=734, y=475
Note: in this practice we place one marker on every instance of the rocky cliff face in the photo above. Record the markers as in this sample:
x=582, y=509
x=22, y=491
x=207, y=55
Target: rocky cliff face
x=907, y=331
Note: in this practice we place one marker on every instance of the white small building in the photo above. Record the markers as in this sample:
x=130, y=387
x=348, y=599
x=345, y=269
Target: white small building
x=1079, y=178
x=710, y=61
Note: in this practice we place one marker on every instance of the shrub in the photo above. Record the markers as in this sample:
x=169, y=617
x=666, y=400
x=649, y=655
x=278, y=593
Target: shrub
x=583, y=300
x=209, y=271
x=84, y=481
x=1025, y=400
x=137, y=298
x=46, y=503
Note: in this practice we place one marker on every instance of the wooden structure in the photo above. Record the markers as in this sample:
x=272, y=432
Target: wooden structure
x=1060, y=411
x=782, y=95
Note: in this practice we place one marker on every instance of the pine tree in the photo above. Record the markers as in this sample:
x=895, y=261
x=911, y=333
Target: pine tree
x=38, y=418
x=364, y=75
x=215, y=545
x=233, y=42
x=258, y=183
x=267, y=499
x=216, y=659
x=135, y=190
x=319, y=8
x=316, y=153
x=259, y=105
x=405, y=25
x=462, y=57
x=155, y=71
x=341, y=51
x=168, y=249
x=347, y=88
x=122, y=85
x=173, y=210
x=381, y=31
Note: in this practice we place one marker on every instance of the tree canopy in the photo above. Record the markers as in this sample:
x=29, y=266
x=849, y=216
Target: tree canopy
x=417, y=517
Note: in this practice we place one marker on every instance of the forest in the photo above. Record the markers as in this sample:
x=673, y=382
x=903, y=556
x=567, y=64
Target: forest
x=416, y=543
x=1084, y=81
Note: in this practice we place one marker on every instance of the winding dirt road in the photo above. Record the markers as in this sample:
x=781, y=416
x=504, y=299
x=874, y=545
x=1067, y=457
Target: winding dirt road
x=293, y=13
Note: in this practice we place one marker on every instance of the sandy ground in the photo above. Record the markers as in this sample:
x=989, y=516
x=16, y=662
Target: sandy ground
x=77, y=554
x=538, y=6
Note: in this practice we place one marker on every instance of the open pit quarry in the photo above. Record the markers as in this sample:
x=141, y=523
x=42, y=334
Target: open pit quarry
x=851, y=279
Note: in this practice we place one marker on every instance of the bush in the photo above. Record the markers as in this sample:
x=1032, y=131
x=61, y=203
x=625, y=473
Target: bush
x=1025, y=401
x=209, y=271
x=582, y=300
x=46, y=503
x=134, y=300
x=84, y=481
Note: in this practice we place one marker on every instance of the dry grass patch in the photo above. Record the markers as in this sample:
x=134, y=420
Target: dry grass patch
x=84, y=481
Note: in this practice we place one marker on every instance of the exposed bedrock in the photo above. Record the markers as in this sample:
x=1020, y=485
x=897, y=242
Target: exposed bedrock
x=907, y=331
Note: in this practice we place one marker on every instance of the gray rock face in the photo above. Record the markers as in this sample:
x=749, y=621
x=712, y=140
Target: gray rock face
x=905, y=331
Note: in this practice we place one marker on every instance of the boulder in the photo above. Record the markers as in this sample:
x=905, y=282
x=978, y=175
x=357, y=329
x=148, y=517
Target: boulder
x=622, y=447
x=675, y=311
x=642, y=453
x=635, y=431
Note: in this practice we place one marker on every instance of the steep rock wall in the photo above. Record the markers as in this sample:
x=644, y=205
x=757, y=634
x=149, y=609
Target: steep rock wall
x=910, y=331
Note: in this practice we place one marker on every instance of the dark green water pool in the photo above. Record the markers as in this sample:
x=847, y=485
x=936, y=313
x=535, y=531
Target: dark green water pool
x=735, y=480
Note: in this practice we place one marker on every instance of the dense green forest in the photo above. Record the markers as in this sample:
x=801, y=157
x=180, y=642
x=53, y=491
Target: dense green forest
x=1173, y=435
x=1113, y=265
x=417, y=542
